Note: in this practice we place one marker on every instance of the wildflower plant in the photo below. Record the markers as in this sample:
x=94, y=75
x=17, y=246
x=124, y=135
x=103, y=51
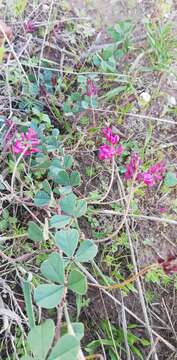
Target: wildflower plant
x=109, y=151
x=26, y=143
x=41, y=184
x=62, y=270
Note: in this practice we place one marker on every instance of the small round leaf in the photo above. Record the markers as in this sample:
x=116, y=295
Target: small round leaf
x=86, y=252
x=59, y=221
x=40, y=339
x=35, y=232
x=53, y=268
x=67, y=240
x=67, y=348
x=77, y=282
x=48, y=295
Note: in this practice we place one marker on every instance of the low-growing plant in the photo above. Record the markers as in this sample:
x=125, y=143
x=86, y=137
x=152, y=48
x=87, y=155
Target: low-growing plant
x=113, y=341
x=162, y=43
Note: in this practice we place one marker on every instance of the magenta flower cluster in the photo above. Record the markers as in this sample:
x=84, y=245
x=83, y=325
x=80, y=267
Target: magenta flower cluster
x=28, y=141
x=169, y=265
x=154, y=173
x=109, y=151
x=150, y=177
x=30, y=26
x=132, y=167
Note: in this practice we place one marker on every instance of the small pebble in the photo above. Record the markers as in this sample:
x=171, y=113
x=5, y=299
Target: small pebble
x=146, y=97
x=171, y=101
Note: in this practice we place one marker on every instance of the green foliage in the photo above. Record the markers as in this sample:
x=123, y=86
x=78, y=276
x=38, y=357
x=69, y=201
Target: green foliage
x=162, y=44
x=45, y=183
x=66, y=349
x=19, y=6
x=170, y=179
x=41, y=198
x=53, y=268
x=157, y=276
x=26, y=287
x=2, y=52
x=35, y=232
x=72, y=206
x=6, y=221
x=59, y=221
x=48, y=295
x=86, y=252
x=77, y=282
x=114, y=336
x=40, y=340
x=67, y=241
x=121, y=34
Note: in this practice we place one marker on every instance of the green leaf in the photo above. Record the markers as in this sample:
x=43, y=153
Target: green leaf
x=20, y=6
x=67, y=348
x=77, y=282
x=68, y=161
x=46, y=187
x=2, y=52
x=27, y=357
x=53, y=268
x=35, y=232
x=62, y=178
x=67, y=240
x=73, y=206
x=144, y=342
x=65, y=190
x=55, y=168
x=78, y=330
x=59, y=221
x=81, y=208
x=75, y=179
x=26, y=287
x=40, y=339
x=68, y=204
x=170, y=179
x=86, y=252
x=41, y=198
x=137, y=352
x=48, y=295
x=112, y=93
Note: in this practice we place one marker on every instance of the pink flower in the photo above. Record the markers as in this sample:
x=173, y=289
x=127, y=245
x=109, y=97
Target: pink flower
x=169, y=266
x=157, y=170
x=108, y=134
x=107, y=131
x=163, y=209
x=30, y=26
x=154, y=174
x=91, y=88
x=139, y=177
x=29, y=141
x=106, y=152
x=148, y=179
x=132, y=166
x=119, y=150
